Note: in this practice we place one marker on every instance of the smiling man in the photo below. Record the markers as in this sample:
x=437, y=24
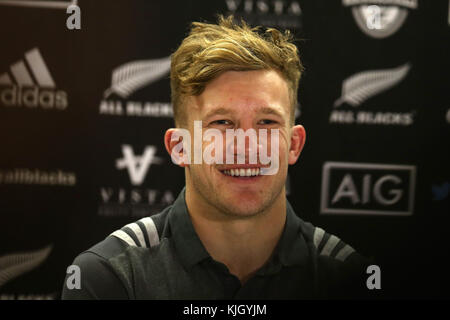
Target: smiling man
x=231, y=233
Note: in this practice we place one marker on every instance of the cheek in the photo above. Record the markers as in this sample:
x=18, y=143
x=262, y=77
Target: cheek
x=212, y=154
x=202, y=174
x=284, y=143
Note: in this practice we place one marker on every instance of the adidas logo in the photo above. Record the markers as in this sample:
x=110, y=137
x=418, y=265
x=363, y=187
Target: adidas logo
x=34, y=85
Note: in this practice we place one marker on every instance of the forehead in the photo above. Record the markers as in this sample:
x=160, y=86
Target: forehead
x=244, y=91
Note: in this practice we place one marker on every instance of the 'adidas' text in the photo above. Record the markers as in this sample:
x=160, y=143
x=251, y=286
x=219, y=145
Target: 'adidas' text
x=34, y=85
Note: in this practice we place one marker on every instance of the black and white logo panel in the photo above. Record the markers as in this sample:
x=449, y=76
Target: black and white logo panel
x=367, y=189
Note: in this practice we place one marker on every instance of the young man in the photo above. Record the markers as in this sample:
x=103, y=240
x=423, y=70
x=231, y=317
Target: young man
x=231, y=234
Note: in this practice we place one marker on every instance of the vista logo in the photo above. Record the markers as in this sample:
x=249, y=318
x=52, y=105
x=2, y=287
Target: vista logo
x=137, y=166
x=33, y=87
x=279, y=13
x=367, y=188
x=137, y=200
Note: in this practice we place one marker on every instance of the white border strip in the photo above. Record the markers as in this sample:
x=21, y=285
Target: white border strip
x=38, y=4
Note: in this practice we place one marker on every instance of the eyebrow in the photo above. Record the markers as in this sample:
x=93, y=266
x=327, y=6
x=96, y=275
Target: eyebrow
x=225, y=111
x=217, y=111
x=268, y=110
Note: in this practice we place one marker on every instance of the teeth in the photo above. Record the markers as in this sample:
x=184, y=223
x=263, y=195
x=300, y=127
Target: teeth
x=242, y=172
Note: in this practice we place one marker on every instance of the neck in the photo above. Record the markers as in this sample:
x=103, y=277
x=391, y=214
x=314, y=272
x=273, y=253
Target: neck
x=243, y=244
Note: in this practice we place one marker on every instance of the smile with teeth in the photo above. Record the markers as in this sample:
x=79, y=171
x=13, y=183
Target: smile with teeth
x=242, y=172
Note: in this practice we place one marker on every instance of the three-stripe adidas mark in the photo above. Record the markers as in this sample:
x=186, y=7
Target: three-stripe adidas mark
x=29, y=83
x=331, y=242
x=22, y=76
x=142, y=233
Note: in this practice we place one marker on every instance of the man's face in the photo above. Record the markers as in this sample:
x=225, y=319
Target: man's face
x=241, y=100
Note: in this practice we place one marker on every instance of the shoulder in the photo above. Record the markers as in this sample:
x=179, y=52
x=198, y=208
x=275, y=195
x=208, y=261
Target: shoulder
x=325, y=244
x=106, y=268
x=339, y=269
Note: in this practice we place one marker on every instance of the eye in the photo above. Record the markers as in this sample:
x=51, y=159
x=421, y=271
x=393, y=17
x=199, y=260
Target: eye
x=221, y=122
x=267, y=121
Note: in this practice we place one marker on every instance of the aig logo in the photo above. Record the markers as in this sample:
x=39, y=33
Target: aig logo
x=367, y=188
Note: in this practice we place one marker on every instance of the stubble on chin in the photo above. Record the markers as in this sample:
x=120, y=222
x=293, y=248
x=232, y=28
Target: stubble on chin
x=238, y=208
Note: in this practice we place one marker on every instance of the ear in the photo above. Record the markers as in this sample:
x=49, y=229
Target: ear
x=174, y=146
x=298, y=137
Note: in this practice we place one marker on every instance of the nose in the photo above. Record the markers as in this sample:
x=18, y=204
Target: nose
x=242, y=145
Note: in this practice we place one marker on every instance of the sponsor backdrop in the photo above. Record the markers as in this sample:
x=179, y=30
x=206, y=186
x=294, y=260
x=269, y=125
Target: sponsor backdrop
x=84, y=105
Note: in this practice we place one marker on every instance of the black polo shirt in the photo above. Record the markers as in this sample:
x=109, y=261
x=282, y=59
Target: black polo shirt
x=162, y=257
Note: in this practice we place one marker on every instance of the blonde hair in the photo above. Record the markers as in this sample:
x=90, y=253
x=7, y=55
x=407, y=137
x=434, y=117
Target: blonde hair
x=212, y=49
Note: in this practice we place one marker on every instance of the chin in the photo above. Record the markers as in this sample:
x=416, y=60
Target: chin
x=244, y=209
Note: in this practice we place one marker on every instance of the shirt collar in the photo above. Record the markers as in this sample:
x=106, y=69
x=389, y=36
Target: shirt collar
x=290, y=250
x=189, y=247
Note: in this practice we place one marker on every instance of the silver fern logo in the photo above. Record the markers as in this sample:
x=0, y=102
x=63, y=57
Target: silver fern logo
x=127, y=79
x=134, y=75
x=364, y=85
x=380, y=18
x=16, y=264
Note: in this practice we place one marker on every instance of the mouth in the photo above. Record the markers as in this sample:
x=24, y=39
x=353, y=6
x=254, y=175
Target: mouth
x=242, y=173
